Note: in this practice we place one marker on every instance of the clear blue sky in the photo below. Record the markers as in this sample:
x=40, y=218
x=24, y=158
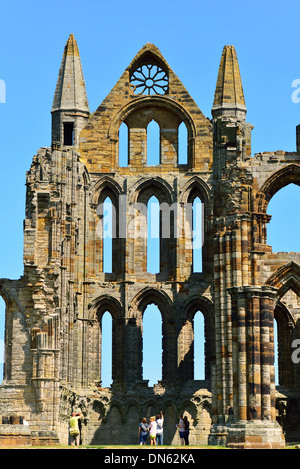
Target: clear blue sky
x=189, y=34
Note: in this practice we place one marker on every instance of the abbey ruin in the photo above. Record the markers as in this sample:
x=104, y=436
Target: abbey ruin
x=53, y=321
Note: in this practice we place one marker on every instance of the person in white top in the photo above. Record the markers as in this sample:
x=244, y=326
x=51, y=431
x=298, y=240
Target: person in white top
x=159, y=429
x=152, y=431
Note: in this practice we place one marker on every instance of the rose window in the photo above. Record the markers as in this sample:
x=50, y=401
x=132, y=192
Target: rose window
x=149, y=79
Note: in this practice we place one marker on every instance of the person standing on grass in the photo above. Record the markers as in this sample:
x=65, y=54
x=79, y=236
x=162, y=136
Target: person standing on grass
x=186, y=430
x=159, y=429
x=180, y=427
x=152, y=431
x=74, y=428
x=143, y=431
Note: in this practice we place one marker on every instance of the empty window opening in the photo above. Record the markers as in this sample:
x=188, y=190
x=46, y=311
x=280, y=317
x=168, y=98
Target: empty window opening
x=153, y=143
x=107, y=235
x=276, y=365
x=283, y=229
x=106, y=350
x=152, y=344
x=68, y=133
x=197, y=235
x=153, y=236
x=182, y=144
x=2, y=334
x=199, y=352
x=123, y=145
x=149, y=79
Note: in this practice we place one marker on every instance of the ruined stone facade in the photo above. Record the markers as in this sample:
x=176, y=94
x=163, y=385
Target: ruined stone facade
x=54, y=311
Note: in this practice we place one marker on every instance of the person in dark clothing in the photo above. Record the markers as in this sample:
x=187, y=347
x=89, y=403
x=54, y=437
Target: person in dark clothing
x=186, y=430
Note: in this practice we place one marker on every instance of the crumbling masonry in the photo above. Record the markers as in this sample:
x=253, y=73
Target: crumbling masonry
x=54, y=312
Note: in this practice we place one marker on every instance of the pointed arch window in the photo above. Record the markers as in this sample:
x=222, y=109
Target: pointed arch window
x=107, y=235
x=197, y=234
x=123, y=145
x=283, y=229
x=182, y=144
x=282, y=338
x=153, y=235
x=153, y=143
x=152, y=344
x=199, y=349
x=106, y=350
x=276, y=366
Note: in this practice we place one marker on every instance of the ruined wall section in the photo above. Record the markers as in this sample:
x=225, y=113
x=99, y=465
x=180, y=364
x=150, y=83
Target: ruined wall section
x=99, y=138
x=271, y=172
x=260, y=284
x=41, y=306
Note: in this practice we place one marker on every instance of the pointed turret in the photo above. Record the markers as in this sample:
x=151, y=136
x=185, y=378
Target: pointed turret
x=232, y=134
x=70, y=109
x=229, y=96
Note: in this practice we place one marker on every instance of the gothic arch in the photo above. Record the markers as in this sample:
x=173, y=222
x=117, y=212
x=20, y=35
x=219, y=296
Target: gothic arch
x=160, y=298
x=96, y=311
x=149, y=296
x=286, y=332
x=281, y=178
x=118, y=407
x=145, y=56
x=199, y=303
x=9, y=297
x=101, y=408
x=172, y=406
x=105, y=303
x=190, y=407
x=193, y=188
x=285, y=278
x=282, y=314
x=86, y=176
x=147, y=101
x=148, y=186
x=103, y=187
x=108, y=187
x=190, y=308
x=139, y=196
x=133, y=403
x=151, y=407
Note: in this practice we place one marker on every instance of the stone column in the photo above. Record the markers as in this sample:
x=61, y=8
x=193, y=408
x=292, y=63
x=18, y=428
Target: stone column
x=253, y=369
x=133, y=351
x=239, y=352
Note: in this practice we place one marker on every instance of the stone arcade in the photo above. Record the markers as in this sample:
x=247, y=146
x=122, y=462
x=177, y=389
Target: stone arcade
x=53, y=322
